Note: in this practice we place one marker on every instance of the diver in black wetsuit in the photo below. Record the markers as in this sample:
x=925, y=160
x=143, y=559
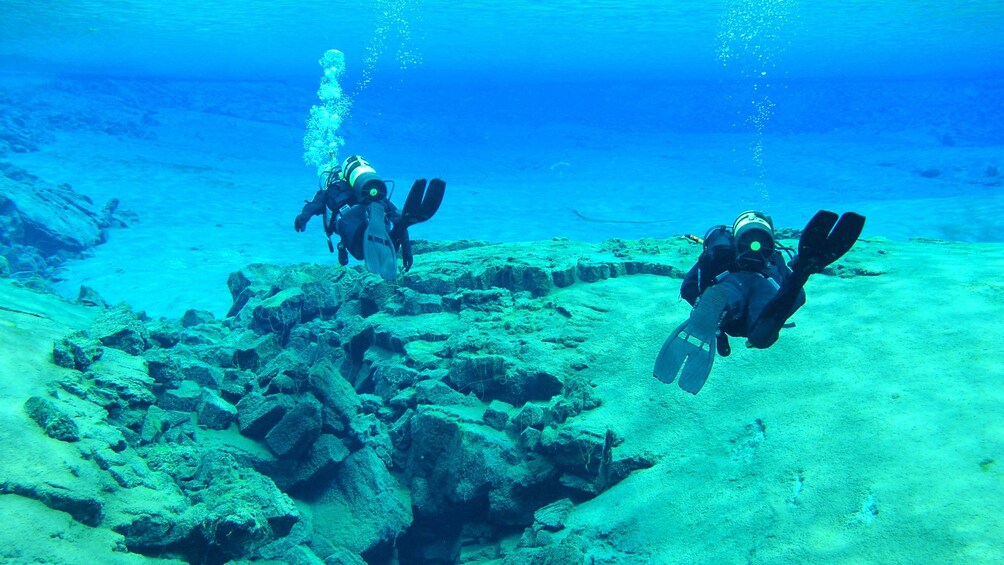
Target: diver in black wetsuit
x=741, y=286
x=354, y=203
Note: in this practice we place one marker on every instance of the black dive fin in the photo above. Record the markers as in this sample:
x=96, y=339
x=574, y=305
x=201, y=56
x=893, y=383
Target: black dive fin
x=813, y=239
x=433, y=198
x=690, y=350
x=414, y=201
x=422, y=203
x=844, y=235
x=826, y=239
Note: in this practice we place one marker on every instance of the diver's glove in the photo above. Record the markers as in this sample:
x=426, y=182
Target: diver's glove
x=343, y=255
x=300, y=223
x=407, y=259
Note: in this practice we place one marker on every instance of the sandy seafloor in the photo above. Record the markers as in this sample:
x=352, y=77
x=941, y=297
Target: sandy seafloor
x=870, y=434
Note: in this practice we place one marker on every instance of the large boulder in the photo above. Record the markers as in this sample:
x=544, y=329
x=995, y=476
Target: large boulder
x=364, y=507
x=53, y=218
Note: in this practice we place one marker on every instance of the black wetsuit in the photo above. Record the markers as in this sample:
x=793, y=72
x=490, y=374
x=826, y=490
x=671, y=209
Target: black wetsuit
x=749, y=287
x=347, y=218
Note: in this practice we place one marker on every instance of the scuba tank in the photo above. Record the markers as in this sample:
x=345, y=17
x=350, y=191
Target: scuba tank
x=366, y=186
x=753, y=236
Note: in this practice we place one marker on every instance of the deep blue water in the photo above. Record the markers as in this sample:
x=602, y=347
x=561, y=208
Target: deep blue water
x=592, y=105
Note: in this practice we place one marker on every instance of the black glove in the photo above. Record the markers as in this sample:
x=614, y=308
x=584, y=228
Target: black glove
x=343, y=255
x=407, y=259
x=300, y=223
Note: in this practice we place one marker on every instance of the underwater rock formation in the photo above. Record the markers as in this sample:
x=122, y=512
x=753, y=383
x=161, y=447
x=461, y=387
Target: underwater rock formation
x=42, y=225
x=333, y=416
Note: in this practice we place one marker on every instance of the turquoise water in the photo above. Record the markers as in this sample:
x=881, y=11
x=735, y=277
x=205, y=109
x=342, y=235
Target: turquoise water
x=549, y=121
x=648, y=38
x=654, y=118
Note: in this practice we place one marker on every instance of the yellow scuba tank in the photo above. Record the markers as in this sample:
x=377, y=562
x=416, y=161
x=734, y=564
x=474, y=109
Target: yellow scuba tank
x=363, y=180
x=753, y=233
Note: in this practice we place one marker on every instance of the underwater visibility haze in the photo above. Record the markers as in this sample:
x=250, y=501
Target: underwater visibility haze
x=195, y=370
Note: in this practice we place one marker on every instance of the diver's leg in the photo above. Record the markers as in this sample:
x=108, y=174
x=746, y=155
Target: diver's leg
x=769, y=309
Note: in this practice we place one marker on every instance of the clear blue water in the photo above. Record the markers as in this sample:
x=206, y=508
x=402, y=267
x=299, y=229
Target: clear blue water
x=656, y=117
x=650, y=39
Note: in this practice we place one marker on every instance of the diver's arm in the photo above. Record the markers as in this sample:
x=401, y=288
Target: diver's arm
x=313, y=208
x=691, y=287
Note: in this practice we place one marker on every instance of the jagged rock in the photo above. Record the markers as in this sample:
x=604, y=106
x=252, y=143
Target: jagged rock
x=342, y=556
x=547, y=554
x=497, y=414
x=583, y=453
x=577, y=396
x=552, y=517
x=494, y=377
x=301, y=555
x=388, y=380
x=236, y=383
x=400, y=434
x=157, y=527
x=77, y=351
x=454, y=461
x=164, y=334
x=411, y=303
x=491, y=300
x=478, y=373
x=529, y=438
x=201, y=373
x=334, y=391
x=214, y=412
x=125, y=376
x=243, y=509
x=321, y=298
x=279, y=313
x=119, y=328
x=514, y=276
x=157, y=421
x=251, y=352
x=85, y=508
x=438, y=393
x=321, y=461
x=125, y=468
x=204, y=335
x=289, y=365
x=257, y=414
x=51, y=419
x=90, y=297
x=364, y=489
x=163, y=367
x=529, y=416
x=297, y=429
x=196, y=317
x=54, y=219
x=367, y=430
x=185, y=398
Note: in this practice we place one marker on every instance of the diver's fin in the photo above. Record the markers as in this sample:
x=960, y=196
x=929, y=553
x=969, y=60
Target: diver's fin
x=414, y=200
x=814, y=235
x=844, y=235
x=422, y=203
x=378, y=250
x=433, y=198
x=690, y=350
x=826, y=239
x=817, y=248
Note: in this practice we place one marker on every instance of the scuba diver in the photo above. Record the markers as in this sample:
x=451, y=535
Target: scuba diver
x=368, y=225
x=742, y=287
